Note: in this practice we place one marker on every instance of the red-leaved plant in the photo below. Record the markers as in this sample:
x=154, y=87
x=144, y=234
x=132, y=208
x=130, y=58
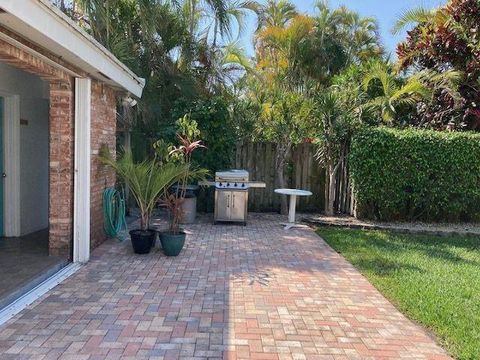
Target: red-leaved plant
x=448, y=40
x=187, y=135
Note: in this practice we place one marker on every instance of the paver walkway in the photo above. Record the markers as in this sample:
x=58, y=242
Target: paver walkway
x=235, y=292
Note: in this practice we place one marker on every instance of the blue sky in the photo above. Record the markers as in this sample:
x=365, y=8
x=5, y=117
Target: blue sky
x=386, y=12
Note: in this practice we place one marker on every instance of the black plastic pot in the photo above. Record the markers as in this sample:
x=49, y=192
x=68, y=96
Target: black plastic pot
x=172, y=244
x=142, y=240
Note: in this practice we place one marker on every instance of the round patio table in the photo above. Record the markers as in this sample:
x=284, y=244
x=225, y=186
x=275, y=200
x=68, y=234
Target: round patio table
x=293, y=193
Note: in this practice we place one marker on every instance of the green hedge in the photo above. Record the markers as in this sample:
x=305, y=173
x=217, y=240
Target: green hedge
x=416, y=174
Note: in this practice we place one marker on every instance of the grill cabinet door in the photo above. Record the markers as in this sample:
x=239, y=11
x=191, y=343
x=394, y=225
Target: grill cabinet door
x=239, y=204
x=223, y=205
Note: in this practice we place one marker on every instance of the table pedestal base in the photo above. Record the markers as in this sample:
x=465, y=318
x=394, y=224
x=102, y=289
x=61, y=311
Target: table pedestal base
x=291, y=209
x=288, y=226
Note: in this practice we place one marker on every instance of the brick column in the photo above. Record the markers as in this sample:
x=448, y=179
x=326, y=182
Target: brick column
x=61, y=168
x=103, y=133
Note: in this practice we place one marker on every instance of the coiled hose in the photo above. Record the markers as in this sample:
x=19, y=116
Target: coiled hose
x=113, y=212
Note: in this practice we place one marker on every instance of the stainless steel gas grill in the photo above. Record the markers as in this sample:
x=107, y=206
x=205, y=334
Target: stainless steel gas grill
x=231, y=195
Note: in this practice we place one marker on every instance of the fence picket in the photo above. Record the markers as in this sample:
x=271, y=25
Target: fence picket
x=306, y=173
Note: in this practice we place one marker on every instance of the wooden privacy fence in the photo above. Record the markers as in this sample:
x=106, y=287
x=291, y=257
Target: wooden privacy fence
x=303, y=172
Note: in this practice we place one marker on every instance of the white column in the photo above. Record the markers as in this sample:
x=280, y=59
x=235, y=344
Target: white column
x=11, y=164
x=81, y=213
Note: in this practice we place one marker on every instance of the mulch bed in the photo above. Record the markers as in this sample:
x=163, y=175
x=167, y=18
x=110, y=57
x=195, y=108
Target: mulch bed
x=438, y=229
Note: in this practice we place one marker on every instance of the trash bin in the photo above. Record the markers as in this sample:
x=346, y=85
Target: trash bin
x=189, y=205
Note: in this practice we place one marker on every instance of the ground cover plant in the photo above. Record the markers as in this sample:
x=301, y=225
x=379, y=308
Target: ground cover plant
x=433, y=280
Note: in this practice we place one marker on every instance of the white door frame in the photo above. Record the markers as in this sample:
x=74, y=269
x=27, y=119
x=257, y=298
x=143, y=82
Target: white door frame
x=11, y=161
x=81, y=202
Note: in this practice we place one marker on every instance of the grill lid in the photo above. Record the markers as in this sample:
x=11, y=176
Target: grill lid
x=232, y=174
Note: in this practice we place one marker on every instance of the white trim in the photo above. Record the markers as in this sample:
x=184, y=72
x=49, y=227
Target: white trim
x=42, y=23
x=81, y=211
x=34, y=294
x=11, y=163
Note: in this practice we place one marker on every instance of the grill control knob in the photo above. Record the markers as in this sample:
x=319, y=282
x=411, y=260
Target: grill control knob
x=243, y=185
x=228, y=184
x=235, y=184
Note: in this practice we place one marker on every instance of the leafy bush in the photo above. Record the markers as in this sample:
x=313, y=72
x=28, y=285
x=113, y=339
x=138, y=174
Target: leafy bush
x=218, y=132
x=447, y=38
x=416, y=174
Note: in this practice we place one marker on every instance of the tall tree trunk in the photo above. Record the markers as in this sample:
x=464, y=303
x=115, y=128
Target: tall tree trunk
x=332, y=170
x=326, y=189
x=192, y=16
x=280, y=160
x=331, y=190
x=215, y=31
x=282, y=185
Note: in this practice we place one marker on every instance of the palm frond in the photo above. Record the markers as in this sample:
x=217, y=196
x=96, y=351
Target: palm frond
x=413, y=89
x=412, y=17
x=147, y=180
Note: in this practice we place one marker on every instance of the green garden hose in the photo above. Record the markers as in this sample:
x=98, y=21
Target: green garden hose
x=113, y=212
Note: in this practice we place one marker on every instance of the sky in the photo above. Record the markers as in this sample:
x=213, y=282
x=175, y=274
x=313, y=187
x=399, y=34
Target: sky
x=386, y=12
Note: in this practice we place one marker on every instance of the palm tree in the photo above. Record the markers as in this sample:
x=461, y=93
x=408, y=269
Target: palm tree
x=362, y=37
x=417, y=16
x=335, y=39
x=195, y=11
x=236, y=13
x=357, y=35
x=392, y=94
x=337, y=116
x=222, y=66
x=275, y=13
x=147, y=180
x=280, y=51
x=285, y=120
x=167, y=42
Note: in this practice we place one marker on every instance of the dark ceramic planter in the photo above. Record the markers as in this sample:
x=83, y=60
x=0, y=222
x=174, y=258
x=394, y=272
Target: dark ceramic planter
x=172, y=244
x=142, y=240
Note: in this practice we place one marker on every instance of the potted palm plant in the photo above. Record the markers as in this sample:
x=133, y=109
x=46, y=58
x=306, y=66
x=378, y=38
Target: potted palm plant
x=147, y=181
x=174, y=199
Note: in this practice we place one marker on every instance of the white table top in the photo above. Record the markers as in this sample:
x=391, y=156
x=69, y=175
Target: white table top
x=293, y=192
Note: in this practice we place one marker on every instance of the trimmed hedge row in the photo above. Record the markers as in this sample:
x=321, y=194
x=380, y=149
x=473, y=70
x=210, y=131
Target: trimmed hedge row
x=416, y=174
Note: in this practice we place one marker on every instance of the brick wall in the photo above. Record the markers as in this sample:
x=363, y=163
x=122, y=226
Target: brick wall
x=61, y=144
x=61, y=168
x=103, y=133
x=61, y=153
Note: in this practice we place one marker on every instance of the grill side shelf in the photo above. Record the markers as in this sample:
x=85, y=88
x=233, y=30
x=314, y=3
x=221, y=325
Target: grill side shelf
x=257, y=184
x=206, y=183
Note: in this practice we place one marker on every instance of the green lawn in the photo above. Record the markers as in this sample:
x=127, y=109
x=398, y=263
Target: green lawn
x=433, y=280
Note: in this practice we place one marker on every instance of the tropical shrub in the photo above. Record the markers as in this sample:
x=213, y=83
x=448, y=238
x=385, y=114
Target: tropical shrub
x=446, y=39
x=188, y=138
x=219, y=133
x=337, y=115
x=147, y=180
x=286, y=121
x=416, y=174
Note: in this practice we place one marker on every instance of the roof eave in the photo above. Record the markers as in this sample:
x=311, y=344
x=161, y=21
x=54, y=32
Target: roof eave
x=44, y=24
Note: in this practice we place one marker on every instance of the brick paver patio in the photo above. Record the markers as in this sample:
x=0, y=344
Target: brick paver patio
x=236, y=292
